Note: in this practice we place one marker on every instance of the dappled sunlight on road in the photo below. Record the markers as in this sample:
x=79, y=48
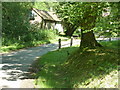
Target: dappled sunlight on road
x=15, y=65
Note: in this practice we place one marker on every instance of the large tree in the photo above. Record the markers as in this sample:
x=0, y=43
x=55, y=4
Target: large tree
x=69, y=16
x=108, y=26
x=88, y=21
x=84, y=15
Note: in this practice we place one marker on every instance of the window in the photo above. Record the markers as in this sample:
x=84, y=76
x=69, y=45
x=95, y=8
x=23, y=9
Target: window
x=32, y=15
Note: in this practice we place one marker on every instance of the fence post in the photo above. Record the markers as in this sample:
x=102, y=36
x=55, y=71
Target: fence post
x=59, y=41
x=79, y=35
x=71, y=41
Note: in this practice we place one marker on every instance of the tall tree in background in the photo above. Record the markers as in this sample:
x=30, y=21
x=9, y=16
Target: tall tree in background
x=69, y=16
x=109, y=25
x=15, y=21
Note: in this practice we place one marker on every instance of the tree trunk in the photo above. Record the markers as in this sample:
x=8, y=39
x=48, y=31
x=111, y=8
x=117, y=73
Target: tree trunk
x=70, y=32
x=70, y=28
x=88, y=23
x=88, y=40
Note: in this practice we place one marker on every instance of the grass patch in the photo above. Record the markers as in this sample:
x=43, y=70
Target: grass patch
x=111, y=44
x=89, y=66
x=93, y=68
x=90, y=69
x=17, y=46
x=50, y=68
x=34, y=38
x=20, y=45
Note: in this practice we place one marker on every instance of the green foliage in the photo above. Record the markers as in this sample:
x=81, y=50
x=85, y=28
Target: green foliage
x=111, y=44
x=42, y=35
x=15, y=16
x=15, y=21
x=91, y=65
x=16, y=30
x=77, y=13
x=33, y=38
x=88, y=15
x=110, y=22
x=47, y=6
x=41, y=6
x=49, y=64
x=37, y=34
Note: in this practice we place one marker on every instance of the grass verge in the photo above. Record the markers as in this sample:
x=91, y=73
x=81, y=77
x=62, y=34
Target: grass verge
x=17, y=46
x=49, y=68
x=70, y=68
x=111, y=44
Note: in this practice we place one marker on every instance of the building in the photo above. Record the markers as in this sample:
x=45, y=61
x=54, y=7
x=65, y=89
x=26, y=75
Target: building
x=45, y=20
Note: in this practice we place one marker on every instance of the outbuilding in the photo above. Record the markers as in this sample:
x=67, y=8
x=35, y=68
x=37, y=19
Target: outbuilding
x=45, y=19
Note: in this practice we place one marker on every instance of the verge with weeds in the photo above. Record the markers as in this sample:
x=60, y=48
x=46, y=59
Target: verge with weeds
x=33, y=38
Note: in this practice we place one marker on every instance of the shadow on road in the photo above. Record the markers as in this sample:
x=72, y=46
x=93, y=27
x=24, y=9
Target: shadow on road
x=16, y=65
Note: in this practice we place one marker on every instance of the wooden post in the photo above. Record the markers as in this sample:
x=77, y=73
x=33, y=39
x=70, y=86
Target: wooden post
x=71, y=41
x=45, y=25
x=79, y=35
x=19, y=38
x=59, y=41
x=109, y=36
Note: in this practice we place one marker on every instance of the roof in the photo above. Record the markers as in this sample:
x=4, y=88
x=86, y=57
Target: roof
x=51, y=16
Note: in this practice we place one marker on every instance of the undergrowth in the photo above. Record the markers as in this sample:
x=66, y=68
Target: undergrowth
x=33, y=38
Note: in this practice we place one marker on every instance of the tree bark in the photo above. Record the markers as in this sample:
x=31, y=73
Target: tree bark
x=88, y=23
x=88, y=40
x=70, y=28
x=70, y=32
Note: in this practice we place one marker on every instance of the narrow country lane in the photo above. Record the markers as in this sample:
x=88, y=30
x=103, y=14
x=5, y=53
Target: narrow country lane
x=15, y=65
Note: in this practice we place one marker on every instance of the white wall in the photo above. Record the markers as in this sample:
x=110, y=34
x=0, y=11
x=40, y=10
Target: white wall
x=59, y=27
x=49, y=25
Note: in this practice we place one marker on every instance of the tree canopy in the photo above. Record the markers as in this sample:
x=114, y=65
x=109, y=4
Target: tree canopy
x=47, y=6
x=109, y=25
x=15, y=18
x=87, y=15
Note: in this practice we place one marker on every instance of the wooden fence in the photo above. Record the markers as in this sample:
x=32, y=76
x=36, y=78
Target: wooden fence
x=60, y=41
